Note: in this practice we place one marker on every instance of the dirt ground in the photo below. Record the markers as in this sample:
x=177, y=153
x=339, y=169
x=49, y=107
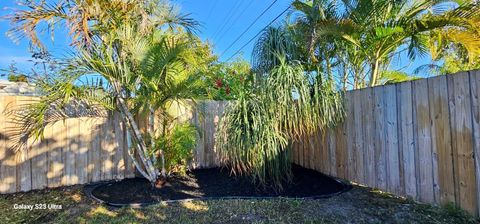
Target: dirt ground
x=359, y=205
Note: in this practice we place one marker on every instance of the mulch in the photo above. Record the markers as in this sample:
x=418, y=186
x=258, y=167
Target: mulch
x=215, y=183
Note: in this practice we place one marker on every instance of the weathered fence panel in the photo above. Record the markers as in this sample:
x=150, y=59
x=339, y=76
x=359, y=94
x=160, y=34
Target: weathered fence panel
x=83, y=150
x=74, y=151
x=419, y=139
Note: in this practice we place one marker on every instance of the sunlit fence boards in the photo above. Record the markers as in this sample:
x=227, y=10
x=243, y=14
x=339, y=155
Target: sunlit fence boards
x=74, y=151
x=84, y=150
x=419, y=139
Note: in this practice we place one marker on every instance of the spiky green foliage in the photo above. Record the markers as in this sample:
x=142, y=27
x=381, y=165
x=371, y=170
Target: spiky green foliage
x=256, y=132
x=250, y=142
x=287, y=96
x=273, y=41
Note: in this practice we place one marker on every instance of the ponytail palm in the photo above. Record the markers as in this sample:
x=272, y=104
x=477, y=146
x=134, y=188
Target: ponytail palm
x=256, y=132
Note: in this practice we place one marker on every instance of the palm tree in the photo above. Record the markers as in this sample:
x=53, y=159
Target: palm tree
x=256, y=131
x=131, y=45
x=88, y=21
x=375, y=30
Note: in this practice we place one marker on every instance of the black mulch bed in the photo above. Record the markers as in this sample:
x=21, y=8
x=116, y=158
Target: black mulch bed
x=214, y=183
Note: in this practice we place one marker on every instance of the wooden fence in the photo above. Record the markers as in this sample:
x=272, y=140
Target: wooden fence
x=419, y=139
x=79, y=151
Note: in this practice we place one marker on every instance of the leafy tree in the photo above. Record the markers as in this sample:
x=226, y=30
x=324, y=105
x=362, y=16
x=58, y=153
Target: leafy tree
x=448, y=57
x=355, y=40
x=225, y=81
x=136, y=47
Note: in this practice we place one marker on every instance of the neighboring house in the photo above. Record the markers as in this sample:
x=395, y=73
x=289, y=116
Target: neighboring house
x=16, y=88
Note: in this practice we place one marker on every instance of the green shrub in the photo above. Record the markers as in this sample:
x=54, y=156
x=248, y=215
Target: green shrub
x=178, y=144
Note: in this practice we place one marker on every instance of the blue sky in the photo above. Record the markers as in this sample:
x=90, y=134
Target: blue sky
x=222, y=22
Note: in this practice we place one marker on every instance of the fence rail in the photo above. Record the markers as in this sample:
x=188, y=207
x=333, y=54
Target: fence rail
x=419, y=139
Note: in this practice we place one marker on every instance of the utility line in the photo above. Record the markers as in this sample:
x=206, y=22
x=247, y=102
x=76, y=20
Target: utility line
x=236, y=19
x=211, y=10
x=229, y=16
x=238, y=51
x=248, y=28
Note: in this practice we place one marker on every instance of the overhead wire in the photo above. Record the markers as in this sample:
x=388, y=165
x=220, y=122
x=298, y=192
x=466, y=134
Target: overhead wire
x=211, y=9
x=248, y=28
x=236, y=19
x=251, y=39
x=229, y=16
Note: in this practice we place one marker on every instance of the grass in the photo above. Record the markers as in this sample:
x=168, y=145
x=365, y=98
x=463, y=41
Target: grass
x=360, y=205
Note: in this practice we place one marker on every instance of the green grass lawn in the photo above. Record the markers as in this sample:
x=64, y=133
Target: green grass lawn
x=359, y=205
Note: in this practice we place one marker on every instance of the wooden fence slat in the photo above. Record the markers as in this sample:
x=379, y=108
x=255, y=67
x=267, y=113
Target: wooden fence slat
x=81, y=157
x=340, y=150
x=312, y=150
x=444, y=188
x=71, y=146
x=391, y=136
x=209, y=129
x=206, y=134
x=325, y=152
x=24, y=168
x=218, y=117
x=475, y=90
x=7, y=158
x=24, y=160
x=331, y=152
x=118, y=156
x=462, y=141
x=54, y=161
x=423, y=138
x=350, y=136
x=368, y=136
x=406, y=138
x=380, y=153
x=358, y=142
x=106, y=150
x=95, y=159
x=317, y=149
x=200, y=115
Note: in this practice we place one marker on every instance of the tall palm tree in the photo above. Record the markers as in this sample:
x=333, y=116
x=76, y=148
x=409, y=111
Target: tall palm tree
x=370, y=32
x=129, y=44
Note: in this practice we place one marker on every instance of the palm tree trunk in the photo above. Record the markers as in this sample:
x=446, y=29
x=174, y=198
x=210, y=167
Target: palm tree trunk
x=151, y=131
x=150, y=172
x=141, y=146
x=374, y=73
x=161, y=154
